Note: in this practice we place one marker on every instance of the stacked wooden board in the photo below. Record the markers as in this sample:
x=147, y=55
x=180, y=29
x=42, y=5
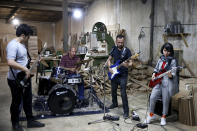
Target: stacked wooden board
x=186, y=111
x=194, y=93
x=187, y=107
x=3, y=43
x=33, y=46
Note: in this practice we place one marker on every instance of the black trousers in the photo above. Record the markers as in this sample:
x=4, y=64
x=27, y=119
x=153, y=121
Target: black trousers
x=122, y=81
x=20, y=97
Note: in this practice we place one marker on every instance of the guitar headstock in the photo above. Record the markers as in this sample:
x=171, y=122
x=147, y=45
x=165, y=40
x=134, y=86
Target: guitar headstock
x=179, y=68
x=45, y=46
x=135, y=56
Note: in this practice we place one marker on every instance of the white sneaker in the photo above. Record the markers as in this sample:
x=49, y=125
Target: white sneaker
x=149, y=119
x=163, y=121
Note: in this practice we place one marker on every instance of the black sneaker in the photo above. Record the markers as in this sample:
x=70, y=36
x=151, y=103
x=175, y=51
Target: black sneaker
x=17, y=127
x=33, y=123
x=126, y=115
x=112, y=106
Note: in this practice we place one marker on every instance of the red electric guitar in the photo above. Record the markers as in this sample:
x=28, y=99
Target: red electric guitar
x=160, y=75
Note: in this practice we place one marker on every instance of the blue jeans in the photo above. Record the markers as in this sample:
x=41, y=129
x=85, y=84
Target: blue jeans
x=122, y=81
x=81, y=90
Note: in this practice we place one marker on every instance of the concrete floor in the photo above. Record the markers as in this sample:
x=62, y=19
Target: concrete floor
x=137, y=100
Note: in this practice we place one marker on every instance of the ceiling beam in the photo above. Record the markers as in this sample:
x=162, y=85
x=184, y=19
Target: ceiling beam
x=13, y=14
x=41, y=6
x=46, y=2
x=26, y=5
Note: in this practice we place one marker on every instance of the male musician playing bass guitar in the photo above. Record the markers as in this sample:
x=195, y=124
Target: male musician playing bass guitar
x=122, y=53
x=17, y=58
x=166, y=87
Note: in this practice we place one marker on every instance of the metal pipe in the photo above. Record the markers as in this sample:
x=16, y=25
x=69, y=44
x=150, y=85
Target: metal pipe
x=65, y=25
x=152, y=32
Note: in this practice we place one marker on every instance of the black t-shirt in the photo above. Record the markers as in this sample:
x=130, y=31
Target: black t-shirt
x=122, y=55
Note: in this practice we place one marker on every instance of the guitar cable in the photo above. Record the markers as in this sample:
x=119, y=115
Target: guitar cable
x=142, y=125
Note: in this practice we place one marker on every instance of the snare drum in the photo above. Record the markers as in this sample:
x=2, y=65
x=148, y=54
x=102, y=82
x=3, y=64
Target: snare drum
x=57, y=74
x=74, y=79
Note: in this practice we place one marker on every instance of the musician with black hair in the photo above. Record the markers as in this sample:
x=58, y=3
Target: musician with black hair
x=166, y=88
x=18, y=60
x=120, y=53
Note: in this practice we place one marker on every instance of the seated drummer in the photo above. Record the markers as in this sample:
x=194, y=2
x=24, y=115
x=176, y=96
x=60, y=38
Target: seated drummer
x=69, y=63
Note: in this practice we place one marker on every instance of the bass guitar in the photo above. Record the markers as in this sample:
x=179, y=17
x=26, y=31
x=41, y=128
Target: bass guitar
x=21, y=76
x=160, y=75
x=117, y=65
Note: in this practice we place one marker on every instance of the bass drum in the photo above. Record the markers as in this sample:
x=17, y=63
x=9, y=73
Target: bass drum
x=62, y=99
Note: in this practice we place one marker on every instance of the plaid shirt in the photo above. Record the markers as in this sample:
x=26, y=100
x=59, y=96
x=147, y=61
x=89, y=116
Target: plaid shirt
x=68, y=62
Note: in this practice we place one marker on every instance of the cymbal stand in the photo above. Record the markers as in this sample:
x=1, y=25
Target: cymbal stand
x=105, y=117
x=91, y=88
x=92, y=95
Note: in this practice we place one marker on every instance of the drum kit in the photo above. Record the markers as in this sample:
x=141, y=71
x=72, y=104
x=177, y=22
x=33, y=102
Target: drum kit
x=59, y=88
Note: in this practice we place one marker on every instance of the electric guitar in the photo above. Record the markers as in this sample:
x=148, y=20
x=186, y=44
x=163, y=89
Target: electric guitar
x=21, y=76
x=160, y=75
x=117, y=65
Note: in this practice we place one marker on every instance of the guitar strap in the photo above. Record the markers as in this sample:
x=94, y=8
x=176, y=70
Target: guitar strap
x=29, y=60
x=123, y=54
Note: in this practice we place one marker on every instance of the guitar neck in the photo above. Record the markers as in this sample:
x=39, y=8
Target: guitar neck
x=130, y=58
x=165, y=73
x=38, y=58
x=34, y=64
x=162, y=75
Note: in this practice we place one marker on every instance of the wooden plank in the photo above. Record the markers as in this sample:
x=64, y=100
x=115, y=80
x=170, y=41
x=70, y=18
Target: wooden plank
x=1, y=44
x=192, y=116
x=31, y=6
x=186, y=44
x=190, y=71
x=33, y=46
x=186, y=111
x=194, y=92
x=165, y=38
x=139, y=83
x=3, y=51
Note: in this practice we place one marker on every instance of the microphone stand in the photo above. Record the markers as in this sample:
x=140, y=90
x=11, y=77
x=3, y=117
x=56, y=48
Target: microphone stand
x=105, y=117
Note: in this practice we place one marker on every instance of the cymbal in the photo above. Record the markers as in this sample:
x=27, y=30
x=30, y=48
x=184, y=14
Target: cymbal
x=44, y=63
x=83, y=61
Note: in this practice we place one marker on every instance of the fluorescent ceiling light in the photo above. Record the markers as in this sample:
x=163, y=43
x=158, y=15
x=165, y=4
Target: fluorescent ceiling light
x=77, y=13
x=15, y=21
